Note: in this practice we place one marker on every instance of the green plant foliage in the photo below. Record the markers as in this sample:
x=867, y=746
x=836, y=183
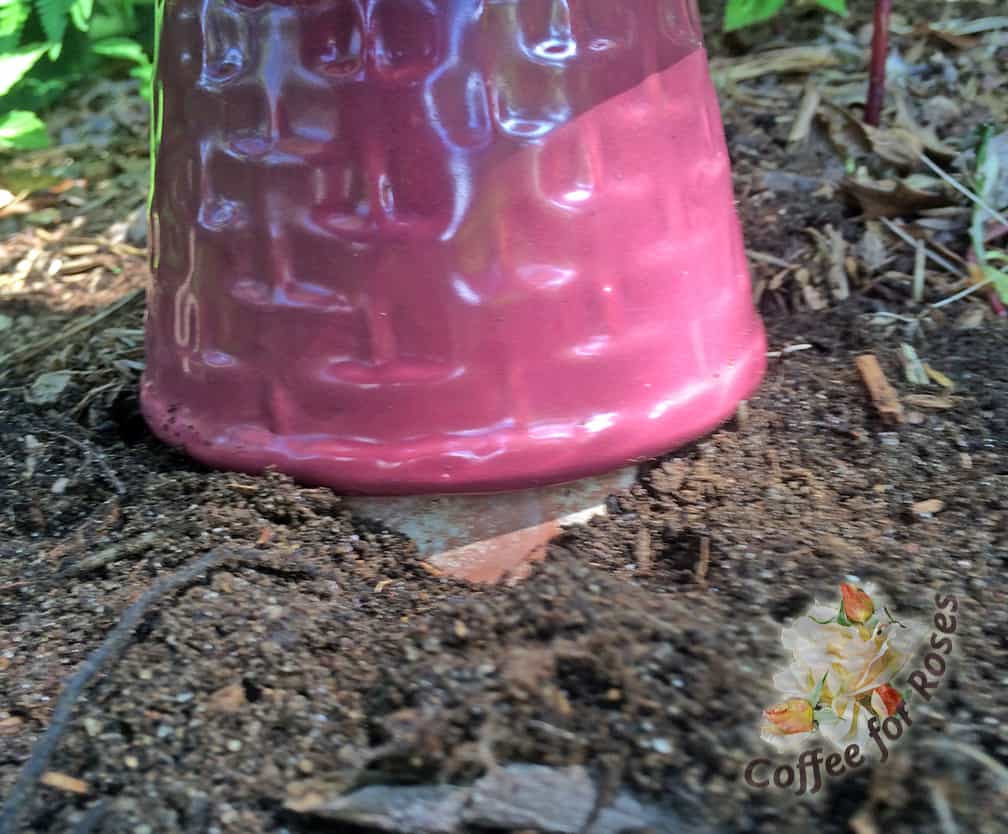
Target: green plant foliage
x=48, y=46
x=54, y=16
x=80, y=14
x=14, y=65
x=127, y=49
x=21, y=130
x=836, y=6
x=13, y=15
x=742, y=13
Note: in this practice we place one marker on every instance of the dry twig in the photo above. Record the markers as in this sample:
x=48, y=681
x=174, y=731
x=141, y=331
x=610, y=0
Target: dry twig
x=70, y=331
x=110, y=649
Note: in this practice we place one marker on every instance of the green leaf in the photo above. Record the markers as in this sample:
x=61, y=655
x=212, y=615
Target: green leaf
x=145, y=75
x=999, y=278
x=125, y=49
x=13, y=14
x=22, y=130
x=54, y=16
x=836, y=6
x=15, y=64
x=742, y=13
x=80, y=14
x=814, y=700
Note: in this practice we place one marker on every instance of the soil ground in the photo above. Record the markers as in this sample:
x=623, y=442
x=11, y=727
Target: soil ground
x=323, y=651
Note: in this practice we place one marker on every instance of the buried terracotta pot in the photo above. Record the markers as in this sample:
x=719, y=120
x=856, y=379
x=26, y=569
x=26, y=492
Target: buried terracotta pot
x=432, y=246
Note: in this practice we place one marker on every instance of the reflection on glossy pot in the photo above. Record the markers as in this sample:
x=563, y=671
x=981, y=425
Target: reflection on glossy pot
x=441, y=245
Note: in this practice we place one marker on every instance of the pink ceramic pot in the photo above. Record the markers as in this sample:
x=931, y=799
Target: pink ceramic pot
x=441, y=245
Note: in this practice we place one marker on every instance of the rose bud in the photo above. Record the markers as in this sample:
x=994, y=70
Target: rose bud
x=792, y=716
x=885, y=700
x=857, y=605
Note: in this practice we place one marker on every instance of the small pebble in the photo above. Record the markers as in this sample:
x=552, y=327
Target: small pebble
x=92, y=726
x=661, y=745
x=59, y=486
x=234, y=745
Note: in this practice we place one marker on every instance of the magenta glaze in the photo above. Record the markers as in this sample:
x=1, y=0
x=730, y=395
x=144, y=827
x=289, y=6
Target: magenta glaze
x=441, y=245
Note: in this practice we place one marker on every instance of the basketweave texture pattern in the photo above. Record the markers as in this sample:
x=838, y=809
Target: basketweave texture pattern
x=399, y=223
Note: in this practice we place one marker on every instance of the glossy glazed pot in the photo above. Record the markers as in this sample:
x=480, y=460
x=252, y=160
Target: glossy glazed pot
x=441, y=245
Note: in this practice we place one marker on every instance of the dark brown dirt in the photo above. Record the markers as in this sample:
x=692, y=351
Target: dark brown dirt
x=324, y=650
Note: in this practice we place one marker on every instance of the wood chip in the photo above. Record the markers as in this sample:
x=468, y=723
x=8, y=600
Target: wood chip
x=929, y=506
x=62, y=782
x=806, y=113
x=839, y=285
x=642, y=552
x=919, y=274
x=883, y=395
x=703, y=565
x=381, y=586
x=930, y=401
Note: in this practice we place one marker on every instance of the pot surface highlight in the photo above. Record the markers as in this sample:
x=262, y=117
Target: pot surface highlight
x=409, y=246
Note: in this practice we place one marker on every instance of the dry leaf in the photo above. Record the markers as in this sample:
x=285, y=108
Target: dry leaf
x=971, y=318
x=939, y=377
x=913, y=368
x=895, y=145
x=885, y=198
x=950, y=38
x=798, y=59
x=872, y=249
x=47, y=388
x=932, y=145
x=227, y=700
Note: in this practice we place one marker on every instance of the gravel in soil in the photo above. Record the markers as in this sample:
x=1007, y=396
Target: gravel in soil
x=330, y=653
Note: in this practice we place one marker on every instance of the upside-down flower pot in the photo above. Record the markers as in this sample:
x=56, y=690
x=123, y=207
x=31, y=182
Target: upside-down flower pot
x=409, y=246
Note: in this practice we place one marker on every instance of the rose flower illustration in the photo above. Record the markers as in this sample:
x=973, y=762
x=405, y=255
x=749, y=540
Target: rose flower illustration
x=843, y=660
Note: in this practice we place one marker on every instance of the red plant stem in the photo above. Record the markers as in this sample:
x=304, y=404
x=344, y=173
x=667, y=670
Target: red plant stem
x=996, y=304
x=879, y=54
